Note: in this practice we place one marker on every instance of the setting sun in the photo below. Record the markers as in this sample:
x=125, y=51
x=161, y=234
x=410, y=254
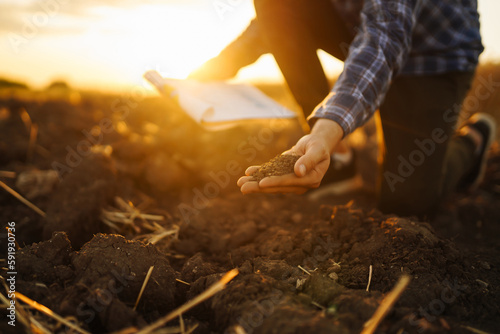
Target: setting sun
x=173, y=41
x=120, y=43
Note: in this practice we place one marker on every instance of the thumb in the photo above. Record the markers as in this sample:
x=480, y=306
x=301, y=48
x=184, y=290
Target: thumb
x=314, y=154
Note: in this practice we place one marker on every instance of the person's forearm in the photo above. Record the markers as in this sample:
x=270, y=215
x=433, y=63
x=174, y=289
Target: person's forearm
x=246, y=49
x=376, y=54
x=243, y=51
x=330, y=130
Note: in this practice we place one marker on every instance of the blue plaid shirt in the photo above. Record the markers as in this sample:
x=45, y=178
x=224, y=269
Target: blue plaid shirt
x=408, y=37
x=392, y=37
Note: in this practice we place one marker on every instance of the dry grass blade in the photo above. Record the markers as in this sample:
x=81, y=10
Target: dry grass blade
x=124, y=205
x=126, y=215
x=128, y=330
x=183, y=282
x=321, y=307
x=112, y=218
x=4, y=300
x=112, y=225
x=192, y=329
x=151, y=217
x=304, y=270
x=218, y=286
x=181, y=324
x=20, y=313
x=8, y=174
x=39, y=327
x=45, y=310
x=32, y=142
x=386, y=305
x=128, y=207
x=25, y=117
x=156, y=237
x=369, y=278
x=152, y=226
x=146, y=280
x=239, y=330
x=22, y=199
x=474, y=330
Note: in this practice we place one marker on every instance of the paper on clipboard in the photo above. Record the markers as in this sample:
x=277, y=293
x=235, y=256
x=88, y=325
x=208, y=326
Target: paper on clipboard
x=219, y=102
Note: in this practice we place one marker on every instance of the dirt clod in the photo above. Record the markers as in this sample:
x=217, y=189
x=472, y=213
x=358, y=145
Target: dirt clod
x=76, y=203
x=109, y=258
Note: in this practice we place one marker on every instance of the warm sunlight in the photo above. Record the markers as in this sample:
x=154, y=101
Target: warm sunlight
x=119, y=44
x=172, y=40
x=189, y=166
x=100, y=45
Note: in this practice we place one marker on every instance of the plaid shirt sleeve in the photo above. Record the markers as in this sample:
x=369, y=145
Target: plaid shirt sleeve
x=376, y=55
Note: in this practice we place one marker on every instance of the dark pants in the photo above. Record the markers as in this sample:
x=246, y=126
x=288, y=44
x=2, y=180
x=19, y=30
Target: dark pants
x=423, y=159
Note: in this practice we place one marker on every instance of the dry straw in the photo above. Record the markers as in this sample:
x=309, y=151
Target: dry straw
x=386, y=305
x=146, y=280
x=369, y=278
x=216, y=287
x=45, y=310
x=22, y=199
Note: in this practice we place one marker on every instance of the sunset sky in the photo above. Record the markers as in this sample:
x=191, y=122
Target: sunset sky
x=109, y=44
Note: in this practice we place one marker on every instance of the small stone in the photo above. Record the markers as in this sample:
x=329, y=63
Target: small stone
x=334, y=276
x=300, y=282
x=331, y=310
x=485, y=265
x=334, y=267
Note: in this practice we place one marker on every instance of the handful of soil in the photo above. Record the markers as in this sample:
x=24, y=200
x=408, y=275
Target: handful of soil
x=279, y=165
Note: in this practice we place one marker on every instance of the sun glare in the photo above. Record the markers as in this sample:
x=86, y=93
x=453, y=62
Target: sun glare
x=111, y=47
x=173, y=41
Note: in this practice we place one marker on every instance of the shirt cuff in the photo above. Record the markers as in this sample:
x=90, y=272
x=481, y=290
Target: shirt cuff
x=344, y=109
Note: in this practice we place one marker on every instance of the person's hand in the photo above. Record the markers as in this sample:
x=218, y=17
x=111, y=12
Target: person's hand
x=215, y=69
x=314, y=149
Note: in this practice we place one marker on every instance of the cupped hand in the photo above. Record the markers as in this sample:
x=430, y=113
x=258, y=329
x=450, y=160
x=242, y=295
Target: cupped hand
x=314, y=149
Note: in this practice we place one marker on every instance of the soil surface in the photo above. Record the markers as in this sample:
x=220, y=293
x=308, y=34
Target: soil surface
x=280, y=165
x=155, y=192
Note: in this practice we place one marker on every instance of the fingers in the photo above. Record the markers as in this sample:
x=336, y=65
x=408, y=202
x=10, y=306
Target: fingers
x=249, y=172
x=249, y=187
x=312, y=180
x=270, y=185
x=252, y=169
x=286, y=180
x=245, y=179
x=300, y=169
x=253, y=187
